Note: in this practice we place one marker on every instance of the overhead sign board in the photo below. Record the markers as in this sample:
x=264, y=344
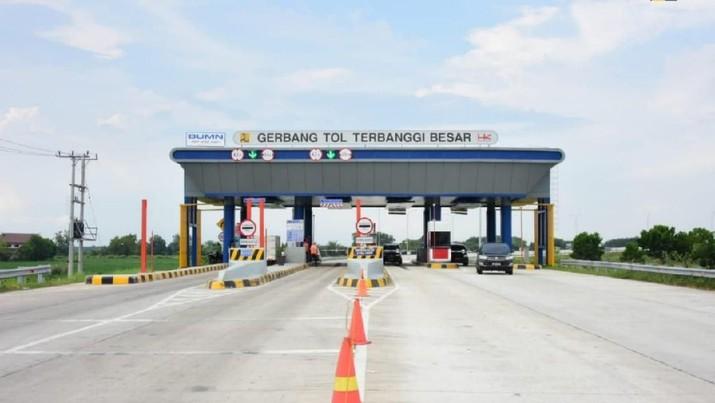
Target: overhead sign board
x=254, y=200
x=205, y=139
x=331, y=203
x=247, y=228
x=294, y=229
x=457, y=138
x=364, y=226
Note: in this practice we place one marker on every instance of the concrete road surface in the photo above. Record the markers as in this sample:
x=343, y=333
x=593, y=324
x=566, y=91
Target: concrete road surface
x=446, y=335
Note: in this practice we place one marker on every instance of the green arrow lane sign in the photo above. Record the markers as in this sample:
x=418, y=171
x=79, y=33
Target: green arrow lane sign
x=331, y=154
x=252, y=154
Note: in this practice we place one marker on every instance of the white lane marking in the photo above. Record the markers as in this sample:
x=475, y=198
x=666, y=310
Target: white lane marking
x=157, y=305
x=297, y=318
x=190, y=352
x=360, y=356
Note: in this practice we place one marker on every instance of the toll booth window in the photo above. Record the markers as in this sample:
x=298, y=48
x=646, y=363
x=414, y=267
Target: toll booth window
x=440, y=238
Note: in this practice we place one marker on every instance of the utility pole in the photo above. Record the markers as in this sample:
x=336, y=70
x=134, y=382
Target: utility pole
x=77, y=228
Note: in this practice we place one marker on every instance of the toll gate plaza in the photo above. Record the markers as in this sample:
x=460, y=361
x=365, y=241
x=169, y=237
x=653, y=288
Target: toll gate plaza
x=392, y=169
x=251, y=327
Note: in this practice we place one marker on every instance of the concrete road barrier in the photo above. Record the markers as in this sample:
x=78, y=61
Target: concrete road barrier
x=256, y=281
x=119, y=279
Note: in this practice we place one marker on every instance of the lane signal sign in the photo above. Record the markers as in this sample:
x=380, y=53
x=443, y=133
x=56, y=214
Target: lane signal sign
x=237, y=155
x=316, y=154
x=346, y=154
x=253, y=154
x=267, y=154
x=331, y=154
x=364, y=226
x=247, y=228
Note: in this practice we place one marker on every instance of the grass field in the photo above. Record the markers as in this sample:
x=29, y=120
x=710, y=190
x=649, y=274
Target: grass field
x=702, y=283
x=92, y=265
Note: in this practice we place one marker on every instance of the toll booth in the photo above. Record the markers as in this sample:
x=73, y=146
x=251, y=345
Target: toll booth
x=439, y=240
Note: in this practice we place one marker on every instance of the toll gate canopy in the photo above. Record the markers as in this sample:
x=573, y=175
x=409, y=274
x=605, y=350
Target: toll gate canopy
x=396, y=169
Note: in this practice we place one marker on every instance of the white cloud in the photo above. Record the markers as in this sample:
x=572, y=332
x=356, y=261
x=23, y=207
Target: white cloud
x=213, y=95
x=85, y=34
x=311, y=79
x=82, y=32
x=15, y=114
x=115, y=121
x=511, y=64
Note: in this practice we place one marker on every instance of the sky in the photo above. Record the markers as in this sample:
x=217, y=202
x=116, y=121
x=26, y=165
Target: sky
x=625, y=88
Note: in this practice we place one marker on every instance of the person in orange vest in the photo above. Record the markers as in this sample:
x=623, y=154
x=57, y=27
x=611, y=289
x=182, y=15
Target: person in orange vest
x=314, y=253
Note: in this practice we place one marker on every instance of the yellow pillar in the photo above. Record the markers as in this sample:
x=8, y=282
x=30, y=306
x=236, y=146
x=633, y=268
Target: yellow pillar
x=550, y=239
x=183, y=237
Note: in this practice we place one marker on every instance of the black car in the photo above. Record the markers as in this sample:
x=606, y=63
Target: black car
x=495, y=256
x=459, y=254
x=391, y=255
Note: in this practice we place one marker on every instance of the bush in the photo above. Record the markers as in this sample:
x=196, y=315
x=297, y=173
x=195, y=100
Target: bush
x=587, y=246
x=633, y=253
x=37, y=248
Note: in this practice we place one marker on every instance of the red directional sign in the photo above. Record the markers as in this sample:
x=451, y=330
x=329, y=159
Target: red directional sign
x=247, y=228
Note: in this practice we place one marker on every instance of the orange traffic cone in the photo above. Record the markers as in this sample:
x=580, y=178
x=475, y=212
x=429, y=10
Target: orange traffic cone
x=362, y=286
x=357, y=330
x=345, y=389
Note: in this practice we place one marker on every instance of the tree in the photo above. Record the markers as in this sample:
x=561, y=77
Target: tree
x=587, y=246
x=4, y=252
x=173, y=247
x=633, y=253
x=619, y=242
x=123, y=246
x=382, y=238
x=159, y=245
x=704, y=253
x=703, y=247
x=37, y=248
x=62, y=241
x=658, y=241
x=411, y=244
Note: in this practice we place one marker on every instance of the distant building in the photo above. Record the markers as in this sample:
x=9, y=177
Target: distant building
x=15, y=241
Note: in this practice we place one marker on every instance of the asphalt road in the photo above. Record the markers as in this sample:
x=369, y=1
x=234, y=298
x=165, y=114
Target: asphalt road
x=446, y=335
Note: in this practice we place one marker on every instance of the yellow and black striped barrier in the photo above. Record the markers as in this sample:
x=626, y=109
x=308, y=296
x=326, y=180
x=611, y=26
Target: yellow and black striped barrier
x=376, y=253
x=256, y=254
x=254, y=282
x=371, y=283
x=164, y=275
x=443, y=265
x=119, y=279
x=111, y=279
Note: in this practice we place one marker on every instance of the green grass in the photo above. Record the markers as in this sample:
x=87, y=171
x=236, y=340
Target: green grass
x=702, y=283
x=92, y=265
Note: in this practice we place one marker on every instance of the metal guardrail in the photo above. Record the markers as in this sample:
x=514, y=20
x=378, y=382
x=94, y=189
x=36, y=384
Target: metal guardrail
x=21, y=272
x=679, y=271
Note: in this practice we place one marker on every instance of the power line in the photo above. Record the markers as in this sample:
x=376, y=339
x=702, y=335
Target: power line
x=6, y=149
x=4, y=140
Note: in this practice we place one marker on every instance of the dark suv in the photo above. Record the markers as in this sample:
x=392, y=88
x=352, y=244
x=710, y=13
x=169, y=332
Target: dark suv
x=459, y=254
x=495, y=256
x=391, y=254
